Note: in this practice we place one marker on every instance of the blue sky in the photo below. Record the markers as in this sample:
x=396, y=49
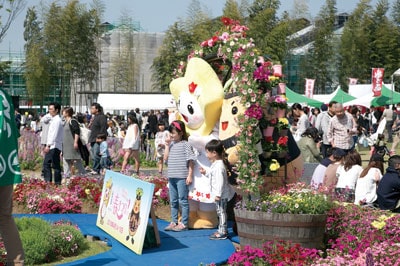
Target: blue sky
x=154, y=15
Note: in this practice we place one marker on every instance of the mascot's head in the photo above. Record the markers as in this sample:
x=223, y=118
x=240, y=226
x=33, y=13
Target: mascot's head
x=198, y=94
x=231, y=109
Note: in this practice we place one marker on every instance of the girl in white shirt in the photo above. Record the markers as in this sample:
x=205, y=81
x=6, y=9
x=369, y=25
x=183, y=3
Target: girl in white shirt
x=220, y=188
x=347, y=174
x=365, y=193
x=131, y=144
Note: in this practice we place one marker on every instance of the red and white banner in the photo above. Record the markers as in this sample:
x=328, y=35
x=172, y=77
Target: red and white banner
x=377, y=80
x=353, y=81
x=309, y=88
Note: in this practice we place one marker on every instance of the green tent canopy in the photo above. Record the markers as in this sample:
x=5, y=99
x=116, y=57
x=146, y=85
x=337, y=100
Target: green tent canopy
x=342, y=97
x=386, y=97
x=294, y=97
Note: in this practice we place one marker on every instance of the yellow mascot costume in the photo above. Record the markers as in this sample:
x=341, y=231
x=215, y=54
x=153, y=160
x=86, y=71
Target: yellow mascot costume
x=199, y=95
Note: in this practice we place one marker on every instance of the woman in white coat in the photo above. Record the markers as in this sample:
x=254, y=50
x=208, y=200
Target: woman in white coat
x=131, y=144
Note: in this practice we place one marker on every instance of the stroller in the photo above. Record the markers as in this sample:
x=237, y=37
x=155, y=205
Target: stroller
x=380, y=146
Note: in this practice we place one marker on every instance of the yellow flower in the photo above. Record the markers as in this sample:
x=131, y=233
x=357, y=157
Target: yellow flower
x=274, y=166
x=283, y=120
x=87, y=191
x=378, y=225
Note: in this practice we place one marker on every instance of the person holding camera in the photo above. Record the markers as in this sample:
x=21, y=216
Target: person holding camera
x=396, y=136
x=309, y=145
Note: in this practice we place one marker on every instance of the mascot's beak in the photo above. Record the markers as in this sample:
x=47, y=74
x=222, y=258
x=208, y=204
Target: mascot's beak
x=185, y=118
x=224, y=125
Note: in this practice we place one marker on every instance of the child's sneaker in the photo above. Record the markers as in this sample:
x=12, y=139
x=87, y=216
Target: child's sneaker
x=179, y=227
x=170, y=227
x=218, y=236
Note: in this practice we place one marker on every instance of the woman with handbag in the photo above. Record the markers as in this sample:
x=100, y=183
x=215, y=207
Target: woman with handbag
x=131, y=144
x=71, y=143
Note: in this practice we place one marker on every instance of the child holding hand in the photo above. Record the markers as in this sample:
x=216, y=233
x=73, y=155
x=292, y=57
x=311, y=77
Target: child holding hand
x=159, y=142
x=179, y=156
x=220, y=188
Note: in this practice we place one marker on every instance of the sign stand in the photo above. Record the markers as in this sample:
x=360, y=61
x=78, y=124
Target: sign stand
x=155, y=226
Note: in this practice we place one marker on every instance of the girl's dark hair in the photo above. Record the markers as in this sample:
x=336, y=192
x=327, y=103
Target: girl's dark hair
x=217, y=146
x=297, y=106
x=179, y=127
x=101, y=136
x=311, y=132
x=352, y=158
x=133, y=120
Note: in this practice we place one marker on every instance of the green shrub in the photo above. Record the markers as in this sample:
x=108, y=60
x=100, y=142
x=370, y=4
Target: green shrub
x=68, y=241
x=36, y=239
x=44, y=242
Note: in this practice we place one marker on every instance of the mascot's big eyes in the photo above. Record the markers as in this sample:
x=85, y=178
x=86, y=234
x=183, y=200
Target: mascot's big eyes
x=234, y=110
x=190, y=109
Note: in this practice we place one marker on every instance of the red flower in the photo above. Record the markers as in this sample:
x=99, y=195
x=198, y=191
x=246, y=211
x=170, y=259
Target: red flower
x=269, y=139
x=282, y=141
x=226, y=21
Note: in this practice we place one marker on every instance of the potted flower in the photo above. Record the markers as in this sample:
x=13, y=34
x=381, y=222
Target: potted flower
x=294, y=213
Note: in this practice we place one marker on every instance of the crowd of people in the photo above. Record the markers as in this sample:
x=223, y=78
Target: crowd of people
x=64, y=152
x=329, y=136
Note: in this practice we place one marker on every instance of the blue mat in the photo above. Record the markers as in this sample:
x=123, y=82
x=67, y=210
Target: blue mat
x=191, y=247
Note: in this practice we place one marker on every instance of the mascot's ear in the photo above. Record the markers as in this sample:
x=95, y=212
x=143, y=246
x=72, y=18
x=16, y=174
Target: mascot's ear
x=201, y=81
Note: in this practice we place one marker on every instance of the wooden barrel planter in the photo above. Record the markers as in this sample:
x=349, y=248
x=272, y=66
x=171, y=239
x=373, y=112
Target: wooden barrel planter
x=255, y=228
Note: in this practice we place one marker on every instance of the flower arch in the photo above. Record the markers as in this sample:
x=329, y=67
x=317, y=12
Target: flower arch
x=243, y=71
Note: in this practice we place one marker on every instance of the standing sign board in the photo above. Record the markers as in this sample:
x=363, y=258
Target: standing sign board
x=124, y=209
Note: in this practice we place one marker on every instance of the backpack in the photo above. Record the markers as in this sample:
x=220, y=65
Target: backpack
x=84, y=132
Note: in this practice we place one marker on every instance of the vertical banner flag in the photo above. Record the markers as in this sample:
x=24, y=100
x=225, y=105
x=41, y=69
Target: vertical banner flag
x=377, y=80
x=10, y=171
x=309, y=89
x=353, y=81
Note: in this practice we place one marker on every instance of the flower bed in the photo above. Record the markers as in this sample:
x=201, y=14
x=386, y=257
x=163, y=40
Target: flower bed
x=36, y=196
x=355, y=236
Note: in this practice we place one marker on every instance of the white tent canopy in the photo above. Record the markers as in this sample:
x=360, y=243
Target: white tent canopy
x=114, y=103
x=325, y=98
x=364, y=100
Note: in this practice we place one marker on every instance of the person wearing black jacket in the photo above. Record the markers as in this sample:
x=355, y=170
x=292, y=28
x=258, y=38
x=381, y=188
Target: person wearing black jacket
x=97, y=125
x=389, y=186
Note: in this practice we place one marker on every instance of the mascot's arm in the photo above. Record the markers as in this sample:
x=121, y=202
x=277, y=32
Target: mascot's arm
x=233, y=154
x=199, y=142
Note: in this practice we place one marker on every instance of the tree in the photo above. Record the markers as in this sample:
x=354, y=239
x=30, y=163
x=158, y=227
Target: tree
x=384, y=40
x=174, y=50
x=321, y=60
x=396, y=12
x=70, y=41
x=37, y=71
x=125, y=64
x=354, y=46
x=12, y=8
x=262, y=22
x=231, y=10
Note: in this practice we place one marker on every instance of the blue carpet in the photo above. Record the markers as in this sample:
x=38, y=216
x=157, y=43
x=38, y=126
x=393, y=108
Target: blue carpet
x=190, y=247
